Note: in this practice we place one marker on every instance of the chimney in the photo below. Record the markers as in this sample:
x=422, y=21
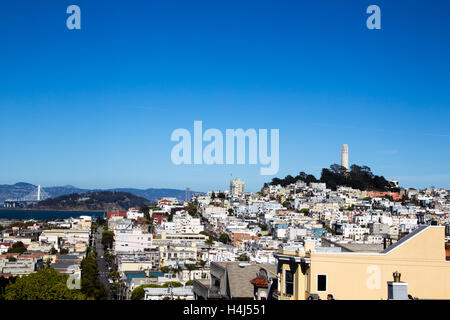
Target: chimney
x=397, y=290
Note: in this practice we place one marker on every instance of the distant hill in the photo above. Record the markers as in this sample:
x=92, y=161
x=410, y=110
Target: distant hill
x=21, y=189
x=62, y=190
x=155, y=194
x=102, y=200
x=15, y=191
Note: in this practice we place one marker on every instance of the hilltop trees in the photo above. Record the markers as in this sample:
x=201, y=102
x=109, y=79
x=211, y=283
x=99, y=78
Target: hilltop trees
x=94, y=200
x=358, y=177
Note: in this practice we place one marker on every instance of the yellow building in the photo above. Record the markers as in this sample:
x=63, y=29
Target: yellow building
x=419, y=257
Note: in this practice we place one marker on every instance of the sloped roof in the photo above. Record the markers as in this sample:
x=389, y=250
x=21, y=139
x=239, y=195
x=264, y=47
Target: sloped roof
x=239, y=278
x=404, y=239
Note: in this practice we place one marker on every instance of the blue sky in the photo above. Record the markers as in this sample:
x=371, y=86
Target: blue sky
x=96, y=107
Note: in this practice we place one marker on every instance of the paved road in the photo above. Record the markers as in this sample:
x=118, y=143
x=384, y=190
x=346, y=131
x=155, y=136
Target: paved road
x=103, y=271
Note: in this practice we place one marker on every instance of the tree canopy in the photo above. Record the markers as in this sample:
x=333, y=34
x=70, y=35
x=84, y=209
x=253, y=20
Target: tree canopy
x=224, y=238
x=358, y=177
x=17, y=247
x=45, y=284
x=90, y=284
x=107, y=238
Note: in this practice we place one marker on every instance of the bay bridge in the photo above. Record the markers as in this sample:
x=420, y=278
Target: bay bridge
x=38, y=194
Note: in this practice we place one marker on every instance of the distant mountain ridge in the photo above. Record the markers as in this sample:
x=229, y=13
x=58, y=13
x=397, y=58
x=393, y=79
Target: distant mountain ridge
x=21, y=189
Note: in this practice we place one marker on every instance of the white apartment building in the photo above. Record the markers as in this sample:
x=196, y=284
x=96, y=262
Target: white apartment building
x=217, y=255
x=134, y=240
x=182, y=222
x=69, y=236
x=134, y=214
x=354, y=231
x=185, y=293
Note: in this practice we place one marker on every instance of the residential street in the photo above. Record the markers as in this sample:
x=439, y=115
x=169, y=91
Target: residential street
x=103, y=271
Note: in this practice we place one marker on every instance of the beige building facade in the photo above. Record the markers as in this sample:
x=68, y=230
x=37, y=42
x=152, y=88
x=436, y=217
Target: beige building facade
x=419, y=257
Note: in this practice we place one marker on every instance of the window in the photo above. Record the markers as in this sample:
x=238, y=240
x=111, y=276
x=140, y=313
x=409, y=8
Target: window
x=288, y=282
x=321, y=282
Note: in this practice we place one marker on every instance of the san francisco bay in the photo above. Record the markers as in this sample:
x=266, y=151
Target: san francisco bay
x=18, y=214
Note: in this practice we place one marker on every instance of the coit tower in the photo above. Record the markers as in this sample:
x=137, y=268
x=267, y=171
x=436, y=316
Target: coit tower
x=344, y=156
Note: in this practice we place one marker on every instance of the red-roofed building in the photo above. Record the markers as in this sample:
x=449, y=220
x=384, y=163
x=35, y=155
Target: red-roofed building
x=159, y=218
x=16, y=264
x=167, y=202
x=379, y=194
x=114, y=214
x=4, y=247
x=31, y=256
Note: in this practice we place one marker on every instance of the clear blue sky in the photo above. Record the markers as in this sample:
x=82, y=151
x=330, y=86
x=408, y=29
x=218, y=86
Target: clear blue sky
x=96, y=107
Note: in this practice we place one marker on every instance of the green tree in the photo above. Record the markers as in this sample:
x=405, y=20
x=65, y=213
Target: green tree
x=45, y=284
x=17, y=247
x=100, y=221
x=192, y=209
x=138, y=293
x=107, y=238
x=90, y=284
x=287, y=204
x=304, y=211
x=243, y=257
x=165, y=269
x=224, y=238
x=174, y=284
